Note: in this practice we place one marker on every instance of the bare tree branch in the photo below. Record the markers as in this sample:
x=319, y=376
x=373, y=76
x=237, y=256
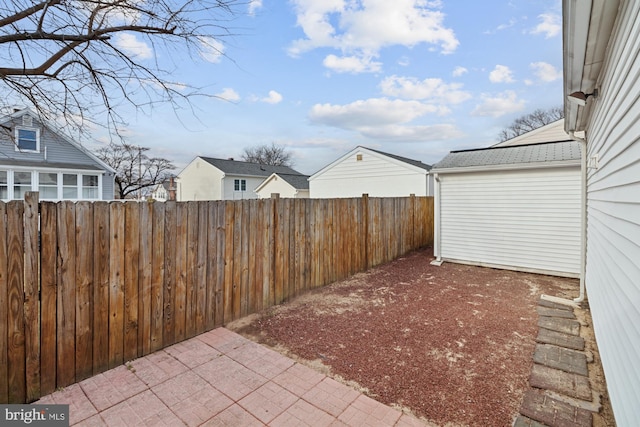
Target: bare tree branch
x=531, y=121
x=273, y=155
x=135, y=171
x=68, y=58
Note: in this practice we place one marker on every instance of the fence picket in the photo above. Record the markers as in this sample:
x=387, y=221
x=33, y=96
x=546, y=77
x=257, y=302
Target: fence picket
x=15, y=302
x=84, y=290
x=101, y=285
x=158, y=272
x=4, y=290
x=31, y=296
x=145, y=268
x=116, y=284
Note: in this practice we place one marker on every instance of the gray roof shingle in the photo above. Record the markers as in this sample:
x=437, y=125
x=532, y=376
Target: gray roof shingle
x=417, y=163
x=299, y=182
x=235, y=167
x=522, y=154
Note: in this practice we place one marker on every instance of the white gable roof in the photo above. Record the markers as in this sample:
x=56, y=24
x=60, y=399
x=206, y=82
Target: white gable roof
x=414, y=165
x=551, y=132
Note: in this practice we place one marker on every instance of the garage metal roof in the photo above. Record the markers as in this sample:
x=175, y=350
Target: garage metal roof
x=545, y=153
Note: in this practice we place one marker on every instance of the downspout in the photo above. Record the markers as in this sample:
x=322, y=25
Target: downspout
x=436, y=221
x=583, y=227
x=583, y=216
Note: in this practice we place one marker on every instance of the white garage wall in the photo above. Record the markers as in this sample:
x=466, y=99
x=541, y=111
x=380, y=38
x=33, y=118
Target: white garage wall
x=523, y=219
x=373, y=174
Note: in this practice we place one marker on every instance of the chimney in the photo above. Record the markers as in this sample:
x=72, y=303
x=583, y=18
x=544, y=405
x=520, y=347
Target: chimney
x=172, y=188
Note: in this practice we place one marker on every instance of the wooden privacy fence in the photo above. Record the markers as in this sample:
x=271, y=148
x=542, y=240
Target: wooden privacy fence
x=87, y=286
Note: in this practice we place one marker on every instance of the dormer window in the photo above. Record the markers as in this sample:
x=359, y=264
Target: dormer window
x=27, y=140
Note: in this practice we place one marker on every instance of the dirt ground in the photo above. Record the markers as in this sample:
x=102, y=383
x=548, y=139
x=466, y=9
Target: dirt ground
x=450, y=344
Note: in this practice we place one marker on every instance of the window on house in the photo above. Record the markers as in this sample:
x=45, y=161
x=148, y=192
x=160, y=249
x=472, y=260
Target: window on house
x=21, y=184
x=4, y=185
x=69, y=186
x=27, y=139
x=240, y=185
x=90, y=186
x=48, y=185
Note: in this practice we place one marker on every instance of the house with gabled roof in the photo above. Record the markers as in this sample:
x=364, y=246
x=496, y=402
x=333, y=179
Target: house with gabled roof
x=36, y=156
x=285, y=185
x=515, y=207
x=208, y=178
x=367, y=171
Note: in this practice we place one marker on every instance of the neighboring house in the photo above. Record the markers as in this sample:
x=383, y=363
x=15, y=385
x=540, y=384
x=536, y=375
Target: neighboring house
x=515, y=207
x=165, y=191
x=366, y=171
x=551, y=132
x=207, y=178
x=293, y=186
x=601, y=50
x=36, y=157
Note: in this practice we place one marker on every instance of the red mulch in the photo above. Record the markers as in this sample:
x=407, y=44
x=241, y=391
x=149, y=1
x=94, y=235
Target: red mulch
x=453, y=344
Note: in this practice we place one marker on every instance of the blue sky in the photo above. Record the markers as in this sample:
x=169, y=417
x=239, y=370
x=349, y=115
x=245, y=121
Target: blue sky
x=415, y=78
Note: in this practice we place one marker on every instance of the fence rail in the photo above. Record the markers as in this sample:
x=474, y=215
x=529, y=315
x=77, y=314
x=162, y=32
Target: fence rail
x=87, y=286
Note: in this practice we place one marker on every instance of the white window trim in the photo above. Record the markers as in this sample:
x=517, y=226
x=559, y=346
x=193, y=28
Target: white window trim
x=35, y=182
x=17, y=140
x=240, y=190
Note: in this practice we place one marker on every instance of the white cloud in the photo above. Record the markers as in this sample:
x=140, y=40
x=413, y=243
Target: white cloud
x=545, y=72
x=412, y=133
x=273, y=98
x=131, y=45
x=382, y=118
x=254, y=5
x=458, y=71
x=550, y=25
x=381, y=111
x=501, y=74
x=503, y=27
x=351, y=64
x=428, y=89
x=228, y=94
x=211, y=50
x=361, y=29
x=499, y=105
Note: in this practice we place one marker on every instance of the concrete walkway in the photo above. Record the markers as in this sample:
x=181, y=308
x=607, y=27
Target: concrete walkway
x=560, y=392
x=220, y=379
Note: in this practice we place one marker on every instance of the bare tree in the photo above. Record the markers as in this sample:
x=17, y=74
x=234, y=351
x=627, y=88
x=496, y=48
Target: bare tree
x=79, y=60
x=135, y=171
x=530, y=122
x=274, y=155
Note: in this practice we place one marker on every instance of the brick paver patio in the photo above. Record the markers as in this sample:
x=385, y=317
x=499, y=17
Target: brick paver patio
x=220, y=379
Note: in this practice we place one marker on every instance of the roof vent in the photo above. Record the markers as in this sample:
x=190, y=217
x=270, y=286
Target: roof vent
x=27, y=120
x=230, y=158
x=358, y=157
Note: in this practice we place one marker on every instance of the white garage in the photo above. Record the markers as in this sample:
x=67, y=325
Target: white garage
x=512, y=207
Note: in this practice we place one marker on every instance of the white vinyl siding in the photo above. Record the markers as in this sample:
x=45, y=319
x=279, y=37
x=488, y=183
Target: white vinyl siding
x=524, y=220
x=375, y=175
x=613, y=217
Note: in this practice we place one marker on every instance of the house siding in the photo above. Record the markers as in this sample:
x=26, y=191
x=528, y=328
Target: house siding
x=199, y=181
x=613, y=216
x=521, y=219
x=54, y=150
x=252, y=184
x=281, y=187
x=375, y=175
